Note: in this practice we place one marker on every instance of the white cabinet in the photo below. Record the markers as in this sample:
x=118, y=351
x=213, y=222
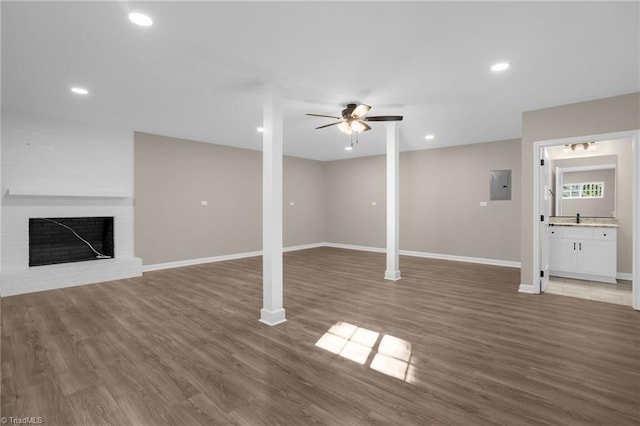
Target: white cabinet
x=583, y=252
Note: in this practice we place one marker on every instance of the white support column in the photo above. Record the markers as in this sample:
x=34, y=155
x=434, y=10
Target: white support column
x=393, y=203
x=272, y=312
x=635, y=249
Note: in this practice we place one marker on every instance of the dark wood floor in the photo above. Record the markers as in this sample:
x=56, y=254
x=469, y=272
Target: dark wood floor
x=184, y=346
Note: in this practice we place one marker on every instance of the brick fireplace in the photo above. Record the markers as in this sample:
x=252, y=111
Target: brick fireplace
x=90, y=218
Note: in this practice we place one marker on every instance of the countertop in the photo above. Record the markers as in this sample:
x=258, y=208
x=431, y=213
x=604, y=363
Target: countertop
x=592, y=222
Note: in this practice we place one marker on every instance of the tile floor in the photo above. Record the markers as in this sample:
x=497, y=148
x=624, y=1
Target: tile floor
x=603, y=292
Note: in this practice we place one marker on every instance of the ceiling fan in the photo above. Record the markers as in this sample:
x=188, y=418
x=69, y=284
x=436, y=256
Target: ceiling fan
x=353, y=119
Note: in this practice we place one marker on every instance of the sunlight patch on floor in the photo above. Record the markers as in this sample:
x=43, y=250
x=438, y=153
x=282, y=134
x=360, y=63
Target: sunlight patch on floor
x=349, y=341
x=388, y=355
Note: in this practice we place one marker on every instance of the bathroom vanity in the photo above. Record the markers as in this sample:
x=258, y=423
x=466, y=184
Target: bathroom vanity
x=585, y=250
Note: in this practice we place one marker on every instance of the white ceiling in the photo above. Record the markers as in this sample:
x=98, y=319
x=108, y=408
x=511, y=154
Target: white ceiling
x=197, y=72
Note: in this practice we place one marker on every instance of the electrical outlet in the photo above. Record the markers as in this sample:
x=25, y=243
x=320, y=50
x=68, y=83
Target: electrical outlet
x=483, y=204
x=292, y=203
x=204, y=203
x=373, y=203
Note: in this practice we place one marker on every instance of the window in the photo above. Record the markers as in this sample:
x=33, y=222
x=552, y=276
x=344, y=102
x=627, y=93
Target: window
x=583, y=190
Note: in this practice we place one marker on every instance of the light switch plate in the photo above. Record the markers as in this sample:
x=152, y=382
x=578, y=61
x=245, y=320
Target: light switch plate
x=204, y=203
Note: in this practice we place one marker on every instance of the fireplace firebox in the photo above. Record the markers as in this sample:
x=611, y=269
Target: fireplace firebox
x=70, y=239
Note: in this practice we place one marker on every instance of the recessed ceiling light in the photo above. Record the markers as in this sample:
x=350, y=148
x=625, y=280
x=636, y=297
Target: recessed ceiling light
x=429, y=137
x=80, y=90
x=500, y=66
x=260, y=129
x=348, y=148
x=140, y=19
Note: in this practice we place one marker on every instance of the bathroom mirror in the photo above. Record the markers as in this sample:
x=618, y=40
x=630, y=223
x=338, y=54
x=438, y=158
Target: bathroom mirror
x=589, y=190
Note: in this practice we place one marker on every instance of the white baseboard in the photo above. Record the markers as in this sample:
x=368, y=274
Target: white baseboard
x=272, y=318
x=624, y=276
x=392, y=275
x=527, y=288
x=484, y=261
x=191, y=262
x=303, y=247
x=233, y=256
x=353, y=247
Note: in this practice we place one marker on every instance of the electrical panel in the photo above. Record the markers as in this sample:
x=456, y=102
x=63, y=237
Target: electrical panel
x=500, y=185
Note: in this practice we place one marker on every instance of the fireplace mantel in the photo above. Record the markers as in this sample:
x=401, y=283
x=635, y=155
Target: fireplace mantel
x=32, y=192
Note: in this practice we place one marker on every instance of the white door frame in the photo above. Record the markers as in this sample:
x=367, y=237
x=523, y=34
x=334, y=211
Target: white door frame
x=634, y=135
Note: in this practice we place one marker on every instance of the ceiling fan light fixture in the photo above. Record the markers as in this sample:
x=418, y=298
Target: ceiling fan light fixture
x=345, y=127
x=360, y=110
x=352, y=120
x=357, y=126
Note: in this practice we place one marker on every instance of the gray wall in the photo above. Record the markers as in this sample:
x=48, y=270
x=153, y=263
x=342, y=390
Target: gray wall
x=304, y=185
x=173, y=176
x=618, y=113
x=441, y=190
x=352, y=186
x=440, y=195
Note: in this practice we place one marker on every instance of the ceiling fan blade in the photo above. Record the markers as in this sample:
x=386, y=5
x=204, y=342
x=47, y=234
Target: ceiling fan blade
x=328, y=125
x=366, y=127
x=384, y=118
x=322, y=115
x=360, y=110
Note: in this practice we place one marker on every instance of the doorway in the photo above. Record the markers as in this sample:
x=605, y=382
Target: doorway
x=544, y=205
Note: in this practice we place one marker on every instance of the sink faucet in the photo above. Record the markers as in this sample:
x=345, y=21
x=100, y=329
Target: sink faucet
x=577, y=217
